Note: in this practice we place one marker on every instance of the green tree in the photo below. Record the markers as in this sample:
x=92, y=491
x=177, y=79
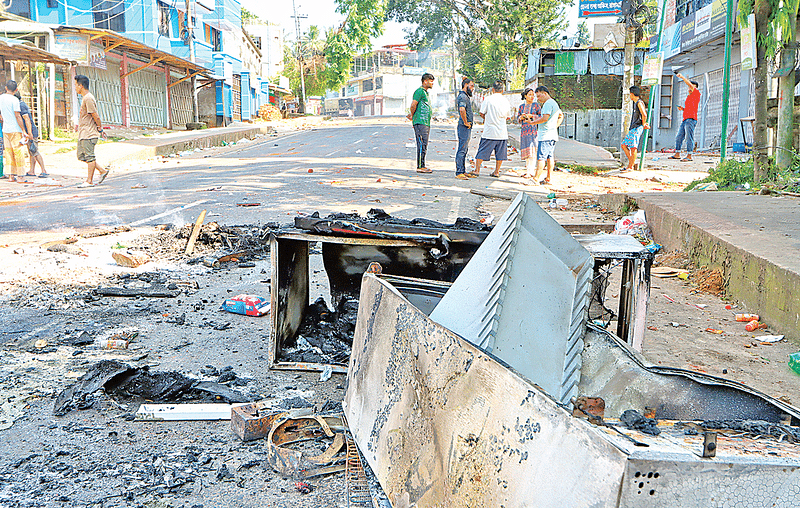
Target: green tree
x=248, y=16
x=363, y=20
x=492, y=37
x=583, y=34
x=776, y=31
x=313, y=62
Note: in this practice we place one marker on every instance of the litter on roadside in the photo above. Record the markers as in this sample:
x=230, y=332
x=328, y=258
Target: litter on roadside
x=184, y=412
x=770, y=338
x=248, y=305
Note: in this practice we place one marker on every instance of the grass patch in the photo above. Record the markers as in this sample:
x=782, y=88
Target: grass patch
x=66, y=149
x=581, y=169
x=64, y=136
x=733, y=174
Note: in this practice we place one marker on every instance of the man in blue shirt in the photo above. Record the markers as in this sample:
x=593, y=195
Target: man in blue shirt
x=464, y=108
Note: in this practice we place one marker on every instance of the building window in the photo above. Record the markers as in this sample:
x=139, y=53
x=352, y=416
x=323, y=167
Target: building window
x=378, y=82
x=213, y=38
x=109, y=14
x=20, y=8
x=367, y=85
x=164, y=19
x=52, y=4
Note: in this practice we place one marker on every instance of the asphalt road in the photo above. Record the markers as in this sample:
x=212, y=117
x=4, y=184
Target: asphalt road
x=343, y=168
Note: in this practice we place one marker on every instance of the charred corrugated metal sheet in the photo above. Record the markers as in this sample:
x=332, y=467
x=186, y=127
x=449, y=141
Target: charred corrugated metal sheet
x=442, y=423
x=524, y=297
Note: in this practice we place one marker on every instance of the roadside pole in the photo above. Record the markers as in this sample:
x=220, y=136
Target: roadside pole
x=190, y=29
x=653, y=90
x=726, y=82
x=627, y=81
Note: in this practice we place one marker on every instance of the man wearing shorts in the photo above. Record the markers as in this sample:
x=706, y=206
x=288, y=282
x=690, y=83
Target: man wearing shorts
x=495, y=110
x=90, y=129
x=14, y=139
x=548, y=134
x=638, y=124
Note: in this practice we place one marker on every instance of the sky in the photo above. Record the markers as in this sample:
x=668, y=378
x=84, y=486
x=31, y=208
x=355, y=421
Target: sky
x=323, y=14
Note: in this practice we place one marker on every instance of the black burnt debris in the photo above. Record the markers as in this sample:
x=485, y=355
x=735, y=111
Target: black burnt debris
x=325, y=335
x=119, y=379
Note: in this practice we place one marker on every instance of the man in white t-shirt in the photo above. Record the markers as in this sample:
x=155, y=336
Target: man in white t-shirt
x=14, y=139
x=548, y=133
x=495, y=110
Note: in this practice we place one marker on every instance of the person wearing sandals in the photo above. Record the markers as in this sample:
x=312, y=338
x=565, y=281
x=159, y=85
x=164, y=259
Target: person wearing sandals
x=14, y=138
x=686, y=129
x=90, y=129
x=33, y=135
x=495, y=110
x=464, y=129
x=420, y=116
x=548, y=135
x=528, y=112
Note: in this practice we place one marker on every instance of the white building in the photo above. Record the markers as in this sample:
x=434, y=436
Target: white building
x=268, y=37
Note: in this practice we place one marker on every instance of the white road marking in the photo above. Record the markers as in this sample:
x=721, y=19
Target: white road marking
x=359, y=141
x=337, y=151
x=453, y=215
x=169, y=212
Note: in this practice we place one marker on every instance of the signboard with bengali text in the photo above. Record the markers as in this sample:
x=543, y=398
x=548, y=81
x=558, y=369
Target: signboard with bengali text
x=598, y=8
x=72, y=47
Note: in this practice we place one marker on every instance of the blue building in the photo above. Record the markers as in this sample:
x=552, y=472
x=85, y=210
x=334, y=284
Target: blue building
x=220, y=45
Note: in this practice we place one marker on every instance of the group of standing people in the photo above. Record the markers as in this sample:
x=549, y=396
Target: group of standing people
x=539, y=116
x=20, y=136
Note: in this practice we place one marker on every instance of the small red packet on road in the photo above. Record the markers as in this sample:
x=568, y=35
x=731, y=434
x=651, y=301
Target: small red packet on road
x=248, y=305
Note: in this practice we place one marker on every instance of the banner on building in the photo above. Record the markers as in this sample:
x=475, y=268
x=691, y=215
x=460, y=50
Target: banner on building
x=72, y=47
x=653, y=66
x=748, y=43
x=97, y=56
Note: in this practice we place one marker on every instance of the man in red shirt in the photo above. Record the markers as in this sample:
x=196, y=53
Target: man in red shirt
x=686, y=130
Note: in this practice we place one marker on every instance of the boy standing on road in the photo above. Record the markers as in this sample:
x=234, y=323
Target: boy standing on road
x=420, y=117
x=464, y=108
x=13, y=133
x=495, y=110
x=548, y=134
x=638, y=124
x=686, y=130
x=90, y=129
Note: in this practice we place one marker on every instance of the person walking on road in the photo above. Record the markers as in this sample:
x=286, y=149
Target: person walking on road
x=33, y=135
x=420, y=117
x=528, y=112
x=464, y=107
x=638, y=124
x=548, y=134
x=14, y=138
x=686, y=130
x=495, y=110
x=90, y=129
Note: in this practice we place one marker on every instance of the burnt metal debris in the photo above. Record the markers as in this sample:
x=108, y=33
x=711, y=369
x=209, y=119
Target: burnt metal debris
x=311, y=336
x=122, y=380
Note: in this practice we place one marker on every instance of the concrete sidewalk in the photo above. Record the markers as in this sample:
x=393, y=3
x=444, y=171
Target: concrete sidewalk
x=754, y=240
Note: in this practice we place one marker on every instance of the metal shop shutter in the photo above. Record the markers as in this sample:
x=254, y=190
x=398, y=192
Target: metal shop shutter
x=181, y=101
x=147, y=97
x=236, y=103
x=714, y=108
x=106, y=88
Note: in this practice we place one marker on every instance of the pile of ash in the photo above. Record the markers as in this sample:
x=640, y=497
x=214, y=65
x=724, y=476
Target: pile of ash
x=325, y=336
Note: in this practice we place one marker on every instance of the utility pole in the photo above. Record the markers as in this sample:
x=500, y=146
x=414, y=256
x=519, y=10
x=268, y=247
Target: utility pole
x=654, y=122
x=726, y=81
x=375, y=84
x=190, y=29
x=299, y=57
x=627, y=81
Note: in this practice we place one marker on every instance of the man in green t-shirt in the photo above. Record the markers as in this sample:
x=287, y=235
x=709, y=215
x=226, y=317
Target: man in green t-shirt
x=420, y=117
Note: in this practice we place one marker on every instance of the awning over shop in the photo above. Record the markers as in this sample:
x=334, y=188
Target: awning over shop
x=24, y=51
x=112, y=40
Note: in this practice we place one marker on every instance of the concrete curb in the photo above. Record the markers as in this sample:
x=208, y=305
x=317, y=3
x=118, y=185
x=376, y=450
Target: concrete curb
x=761, y=284
x=145, y=148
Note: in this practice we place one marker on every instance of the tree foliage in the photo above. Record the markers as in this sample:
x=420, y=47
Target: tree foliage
x=492, y=36
x=583, y=37
x=782, y=15
x=363, y=20
x=248, y=16
x=313, y=62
